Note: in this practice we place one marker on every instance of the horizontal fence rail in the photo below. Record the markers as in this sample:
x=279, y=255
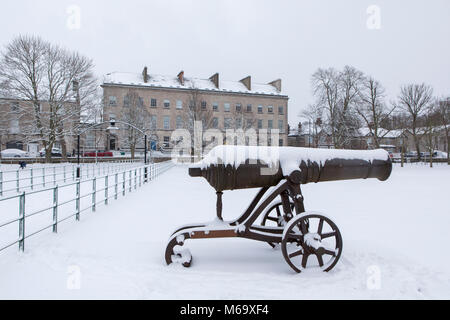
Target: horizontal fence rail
x=67, y=201
x=39, y=176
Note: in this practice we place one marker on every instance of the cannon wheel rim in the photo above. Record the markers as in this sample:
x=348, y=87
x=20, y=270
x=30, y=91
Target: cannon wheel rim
x=278, y=207
x=300, y=262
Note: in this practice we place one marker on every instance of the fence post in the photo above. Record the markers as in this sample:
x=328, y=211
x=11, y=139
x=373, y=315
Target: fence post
x=31, y=178
x=123, y=184
x=94, y=188
x=55, y=209
x=43, y=176
x=135, y=179
x=116, y=178
x=77, y=214
x=130, y=182
x=106, y=189
x=64, y=170
x=17, y=181
x=22, y=222
x=54, y=175
x=140, y=177
x=1, y=183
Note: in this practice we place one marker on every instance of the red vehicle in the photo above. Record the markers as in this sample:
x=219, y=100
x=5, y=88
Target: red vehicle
x=99, y=154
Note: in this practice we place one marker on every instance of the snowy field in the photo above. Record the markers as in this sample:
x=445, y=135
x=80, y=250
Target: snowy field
x=396, y=237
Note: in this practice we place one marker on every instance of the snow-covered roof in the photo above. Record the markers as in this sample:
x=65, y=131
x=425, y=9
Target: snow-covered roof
x=384, y=133
x=161, y=81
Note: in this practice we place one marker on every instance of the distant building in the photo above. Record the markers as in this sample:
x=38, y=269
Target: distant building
x=166, y=98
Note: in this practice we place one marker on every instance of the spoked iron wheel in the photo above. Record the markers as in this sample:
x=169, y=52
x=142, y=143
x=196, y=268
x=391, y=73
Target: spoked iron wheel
x=274, y=216
x=311, y=241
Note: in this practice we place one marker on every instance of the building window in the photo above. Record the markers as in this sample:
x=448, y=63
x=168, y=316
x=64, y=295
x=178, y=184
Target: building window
x=112, y=101
x=140, y=102
x=166, y=123
x=227, y=123
x=179, y=104
x=14, y=126
x=126, y=101
x=215, y=106
x=270, y=124
x=215, y=123
x=166, y=104
x=260, y=109
x=280, y=142
x=280, y=110
x=179, y=122
x=226, y=107
x=166, y=141
x=238, y=107
x=249, y=108
x=260, y=124
x=203, y=105
x=153, y=122
x=238, y=123
x=280, y=125
x=270, y=109
x=249, y=123
x=153, y=103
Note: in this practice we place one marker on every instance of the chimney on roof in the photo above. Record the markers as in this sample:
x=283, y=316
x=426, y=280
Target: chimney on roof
x=145, y=75
x=181, y=77
x=276, y=84
x=215, y=79
x=247, y=82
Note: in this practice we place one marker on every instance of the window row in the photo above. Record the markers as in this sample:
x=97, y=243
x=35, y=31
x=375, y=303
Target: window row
x=179, y=105
x=228, y=123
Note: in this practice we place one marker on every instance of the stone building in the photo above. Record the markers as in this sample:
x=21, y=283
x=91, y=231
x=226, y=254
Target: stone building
x=166, y=99
x=18, y=130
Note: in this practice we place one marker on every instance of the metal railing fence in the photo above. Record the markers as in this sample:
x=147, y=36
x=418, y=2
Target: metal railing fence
x=69, y=201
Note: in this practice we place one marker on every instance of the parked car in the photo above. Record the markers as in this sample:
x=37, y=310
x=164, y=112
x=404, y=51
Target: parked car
x=99, y=154
x=439, y=154
x=56, y=152
x=14, y=153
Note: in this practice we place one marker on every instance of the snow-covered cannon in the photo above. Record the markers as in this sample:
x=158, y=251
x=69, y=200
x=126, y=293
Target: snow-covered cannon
x=301, y=234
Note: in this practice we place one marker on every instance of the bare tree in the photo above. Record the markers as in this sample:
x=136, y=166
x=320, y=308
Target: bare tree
x=194, y=111
x=415, y=100
x=135, y=114
x=43, y=75
x=337, y=92
x=372, y=108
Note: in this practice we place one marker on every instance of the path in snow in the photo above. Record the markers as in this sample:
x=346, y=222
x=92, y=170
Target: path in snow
x=394, y=231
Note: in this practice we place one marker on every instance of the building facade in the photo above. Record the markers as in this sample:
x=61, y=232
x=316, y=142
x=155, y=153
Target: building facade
x=167, y=99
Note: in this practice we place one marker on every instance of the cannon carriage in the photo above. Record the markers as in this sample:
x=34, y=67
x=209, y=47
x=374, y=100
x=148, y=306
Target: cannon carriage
x=277, y=214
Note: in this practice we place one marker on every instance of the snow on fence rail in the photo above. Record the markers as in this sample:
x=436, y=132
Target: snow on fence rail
x=68, y=201
x=39, y=176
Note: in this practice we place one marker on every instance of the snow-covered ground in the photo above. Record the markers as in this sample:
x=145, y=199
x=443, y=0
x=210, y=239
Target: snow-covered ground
x=396, y=237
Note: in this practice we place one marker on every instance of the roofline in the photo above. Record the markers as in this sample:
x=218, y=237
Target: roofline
x=265, y=95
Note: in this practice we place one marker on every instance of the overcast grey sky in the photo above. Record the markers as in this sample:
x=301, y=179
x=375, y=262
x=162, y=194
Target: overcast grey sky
x=264, y=39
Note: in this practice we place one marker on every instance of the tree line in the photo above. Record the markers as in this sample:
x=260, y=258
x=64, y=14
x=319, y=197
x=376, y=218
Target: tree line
x=347, y=100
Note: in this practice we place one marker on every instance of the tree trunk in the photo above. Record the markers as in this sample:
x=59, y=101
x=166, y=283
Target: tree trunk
x=132, y=149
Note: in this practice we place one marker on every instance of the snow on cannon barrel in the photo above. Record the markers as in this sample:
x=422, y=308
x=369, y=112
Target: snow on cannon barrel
x=240, y=167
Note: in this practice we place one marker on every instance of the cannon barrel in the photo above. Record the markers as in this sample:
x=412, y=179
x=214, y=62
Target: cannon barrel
x=250, y=173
